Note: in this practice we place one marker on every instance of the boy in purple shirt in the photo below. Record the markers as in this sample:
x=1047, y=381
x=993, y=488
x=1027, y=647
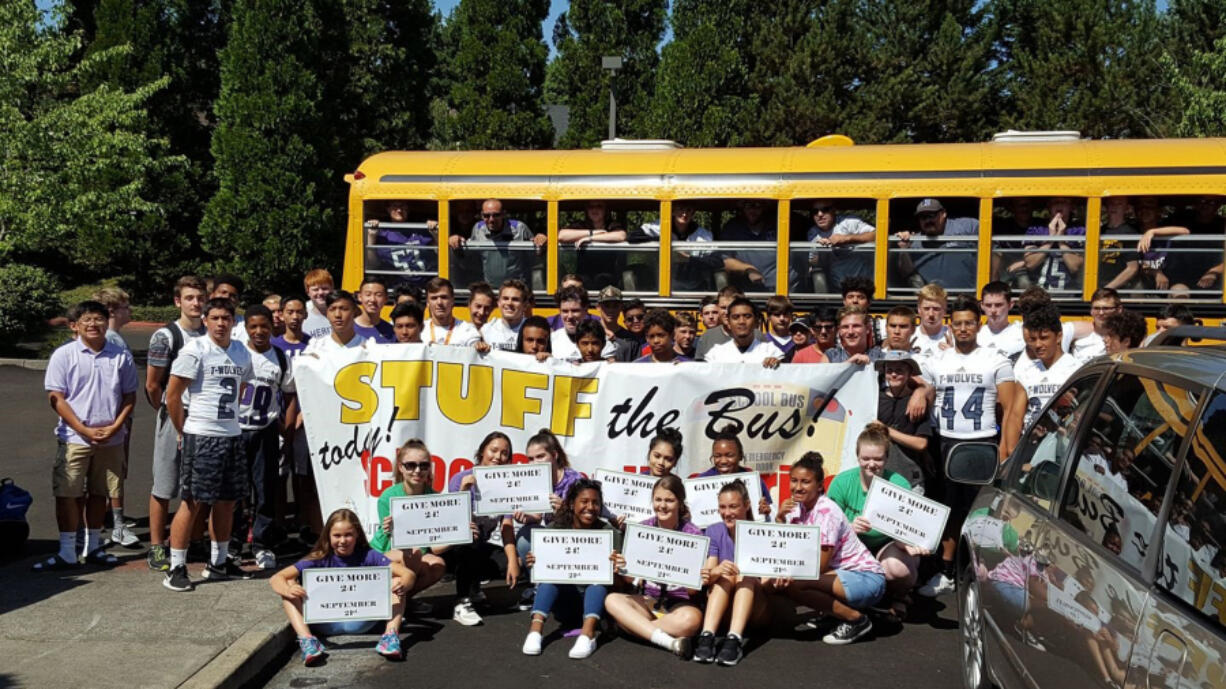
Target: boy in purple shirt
x=91, y=384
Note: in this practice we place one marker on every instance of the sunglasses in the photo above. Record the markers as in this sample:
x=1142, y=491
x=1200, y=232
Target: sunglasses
x=635, y=319
x=823, y=209
x=824, y=326
x=415, y=466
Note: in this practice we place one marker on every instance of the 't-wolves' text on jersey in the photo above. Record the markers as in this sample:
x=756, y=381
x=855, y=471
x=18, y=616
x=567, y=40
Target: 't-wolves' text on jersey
x=1042, y=382
x=965, y=385
x=216, y=377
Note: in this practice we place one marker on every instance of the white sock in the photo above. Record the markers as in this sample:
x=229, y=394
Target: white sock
x=93, y=539
x=68, y=546
x=734, y=636
x=219, y=550
x=662, y=639
x=178, y=557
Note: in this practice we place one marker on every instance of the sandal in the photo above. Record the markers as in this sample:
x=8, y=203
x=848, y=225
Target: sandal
x=55, y=563
x=101, y=557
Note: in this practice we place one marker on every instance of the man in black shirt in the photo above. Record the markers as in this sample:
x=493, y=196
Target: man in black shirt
x=909, y=438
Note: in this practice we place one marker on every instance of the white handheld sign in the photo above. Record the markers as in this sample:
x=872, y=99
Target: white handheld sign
x=665, y=556
x=904, y=516
x=702, y=495
x=572, y=556
x=422, y=521
x=778, y=550
x=627, y=494
x=341, y=594
x=505, y=489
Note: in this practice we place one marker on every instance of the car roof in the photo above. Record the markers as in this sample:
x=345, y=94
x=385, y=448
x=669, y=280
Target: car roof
x=1204, y=365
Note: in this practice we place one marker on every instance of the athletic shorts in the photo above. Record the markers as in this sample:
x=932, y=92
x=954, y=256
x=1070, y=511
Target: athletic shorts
x=214, y=468
x=87, y=469
x=862, y=588
x=167, y=459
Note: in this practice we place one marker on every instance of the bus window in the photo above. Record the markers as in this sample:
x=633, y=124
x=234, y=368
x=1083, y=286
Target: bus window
x=696, y=267
x=497, y=239
x=401, y=240
x=1153, y=244
x=832, y=240
x=743, y=252
x=933, y=241
x=1040, y=241
x=608, y=242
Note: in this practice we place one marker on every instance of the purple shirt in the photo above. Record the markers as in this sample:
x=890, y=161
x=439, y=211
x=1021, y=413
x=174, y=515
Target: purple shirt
x=93, y=383
x=766, y=493
x=371, y=558
x=381, y=332
x=291, y=349
x=653, y=590
x=722, y=546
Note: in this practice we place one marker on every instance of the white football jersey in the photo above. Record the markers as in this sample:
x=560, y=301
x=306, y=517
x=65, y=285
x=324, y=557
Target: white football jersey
x=316, y=324
x=729, y=353
x=322, y=345
x=925, y=345
x=1008, y=341
x=461, y=333
x=965, y=386
x=499, y=335
x=260, y=404
x=1042, y=382
x=217, y=376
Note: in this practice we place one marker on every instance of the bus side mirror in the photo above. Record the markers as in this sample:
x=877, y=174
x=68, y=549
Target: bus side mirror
x=973, y=463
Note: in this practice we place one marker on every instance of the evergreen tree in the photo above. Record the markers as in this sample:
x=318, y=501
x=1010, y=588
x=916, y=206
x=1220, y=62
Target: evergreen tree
x=588, y=31
x=267, y=221
x=1086, y=65
x=75, y=156
x=702, y=95
x=1193, y=27
x=495, y=77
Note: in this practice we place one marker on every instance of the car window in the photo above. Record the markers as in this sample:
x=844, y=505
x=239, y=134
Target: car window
x=1042, y=452
x=1124, y=464
x=1193, y=562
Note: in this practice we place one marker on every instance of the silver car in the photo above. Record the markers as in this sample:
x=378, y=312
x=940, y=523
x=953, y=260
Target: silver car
x=1096, y=555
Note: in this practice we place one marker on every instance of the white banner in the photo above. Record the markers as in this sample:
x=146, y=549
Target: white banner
x=423, y=521
x=342, y=594
x=360, y=404
x=904, y=516
x=665, y=556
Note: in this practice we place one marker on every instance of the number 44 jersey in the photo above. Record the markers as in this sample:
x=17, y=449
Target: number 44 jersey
x=965, y=385
x=217, y=375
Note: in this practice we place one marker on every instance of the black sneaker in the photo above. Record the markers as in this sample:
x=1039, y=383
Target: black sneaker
x=848, y=632
x=730, y=652
x=526, y=599
x=158, y=558
x=177, y=579
x=704, y=648
x=228, y=570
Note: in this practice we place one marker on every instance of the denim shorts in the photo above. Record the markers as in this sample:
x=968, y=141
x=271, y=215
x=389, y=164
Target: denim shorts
x=862, y=588
x=1013, y=595
x=327, y=629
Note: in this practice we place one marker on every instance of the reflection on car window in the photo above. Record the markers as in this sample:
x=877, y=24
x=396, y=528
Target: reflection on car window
x=1043, y=450
x=1193, y=562
x=1125, y=464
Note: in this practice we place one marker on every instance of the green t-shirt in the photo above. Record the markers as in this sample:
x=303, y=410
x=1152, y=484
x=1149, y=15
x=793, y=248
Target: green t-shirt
x=847, y=493
x=380, y=540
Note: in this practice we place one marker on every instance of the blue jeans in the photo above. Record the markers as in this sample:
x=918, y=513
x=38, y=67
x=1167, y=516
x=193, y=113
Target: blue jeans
x=326, y=629
x=570, y=604
x=523, y=540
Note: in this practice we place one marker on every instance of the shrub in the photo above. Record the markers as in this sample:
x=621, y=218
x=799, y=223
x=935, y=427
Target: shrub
x=28, y=297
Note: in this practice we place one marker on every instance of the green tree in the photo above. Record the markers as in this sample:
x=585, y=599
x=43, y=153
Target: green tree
x=588, y=31
x=74, y=157
x=1200, y=86
x=1086, y=65
x=495, y=77
x=266, y=222
x=702, y=95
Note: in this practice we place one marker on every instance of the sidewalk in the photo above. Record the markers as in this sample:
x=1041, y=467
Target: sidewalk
x=103, y=628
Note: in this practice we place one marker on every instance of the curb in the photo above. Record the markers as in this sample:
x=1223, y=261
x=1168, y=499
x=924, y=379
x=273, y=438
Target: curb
x=247, y=659
x=32, y=364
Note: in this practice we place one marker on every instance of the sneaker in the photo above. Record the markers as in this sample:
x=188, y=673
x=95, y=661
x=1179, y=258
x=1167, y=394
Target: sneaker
x=419, y=607
x=848, y=632
x=465, y=615
x=177, y=579
x=532, y=644
x=937, y=585
x=389, y=647
x=158, y=558
x=123, y=536
x=730, y=651
x=265, y=559
x=1029, y=638
x=526, y=599
x=682, y=646
x=704, y=648
x=223, y=572
x=311, y=649
x=584, y=647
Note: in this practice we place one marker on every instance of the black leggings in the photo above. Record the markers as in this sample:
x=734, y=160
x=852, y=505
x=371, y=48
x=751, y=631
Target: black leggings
x=468, y=563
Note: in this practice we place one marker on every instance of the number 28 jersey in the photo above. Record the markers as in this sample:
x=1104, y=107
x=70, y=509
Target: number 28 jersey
x=217, y=376
x=965, y=384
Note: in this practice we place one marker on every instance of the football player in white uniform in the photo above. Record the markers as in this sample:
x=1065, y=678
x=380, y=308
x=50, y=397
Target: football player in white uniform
x=1043, y=367
x=998, y=333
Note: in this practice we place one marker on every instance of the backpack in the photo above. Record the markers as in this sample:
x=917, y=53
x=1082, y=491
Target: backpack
x=14, y=529
x=176, y=343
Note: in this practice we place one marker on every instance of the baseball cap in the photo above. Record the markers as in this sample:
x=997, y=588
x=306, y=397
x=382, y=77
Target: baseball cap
x=895, y=356
x=609, y=293
x=929, y=206
x=801, y=323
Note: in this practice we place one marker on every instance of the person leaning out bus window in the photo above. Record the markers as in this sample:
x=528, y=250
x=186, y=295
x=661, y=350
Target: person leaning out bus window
x=494, y=228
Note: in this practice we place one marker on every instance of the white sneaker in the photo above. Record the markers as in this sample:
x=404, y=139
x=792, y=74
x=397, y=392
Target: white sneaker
x=583, y=647
x=265, y=559
x=123, y=536
x=532, y=644
x=465, y=615
x=937, y=585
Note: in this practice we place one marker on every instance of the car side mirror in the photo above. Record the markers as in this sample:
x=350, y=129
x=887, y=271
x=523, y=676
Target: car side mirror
x=973, y=463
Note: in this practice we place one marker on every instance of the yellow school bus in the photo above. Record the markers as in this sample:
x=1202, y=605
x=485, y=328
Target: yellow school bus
x=670, y=224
